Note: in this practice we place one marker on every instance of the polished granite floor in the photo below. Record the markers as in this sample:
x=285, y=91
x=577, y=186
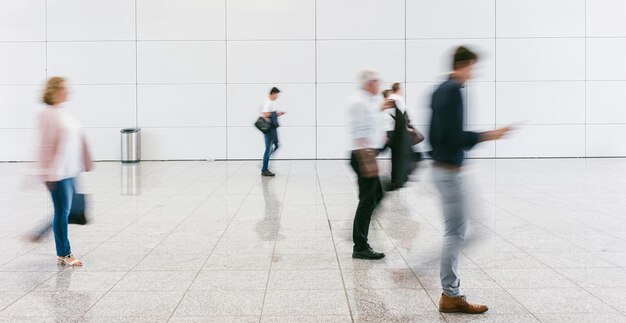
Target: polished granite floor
x=215, y=242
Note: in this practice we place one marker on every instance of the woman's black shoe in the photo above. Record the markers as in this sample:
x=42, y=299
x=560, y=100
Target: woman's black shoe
x=267, y=173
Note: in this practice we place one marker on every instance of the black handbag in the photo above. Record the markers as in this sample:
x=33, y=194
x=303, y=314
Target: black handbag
x=78, y=210
x=263, y=125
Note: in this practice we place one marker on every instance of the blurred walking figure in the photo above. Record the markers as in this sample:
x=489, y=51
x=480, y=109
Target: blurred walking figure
x=449, y=141
x=268, y=111
x=368, y=135
x=63, y=155
x=402, y=136
x=394, y=94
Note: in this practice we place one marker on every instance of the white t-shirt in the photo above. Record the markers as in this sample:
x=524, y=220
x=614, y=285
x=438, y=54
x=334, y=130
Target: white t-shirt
x=70, y=162
x=366, y=121
x=268, y=106
x=390, y=122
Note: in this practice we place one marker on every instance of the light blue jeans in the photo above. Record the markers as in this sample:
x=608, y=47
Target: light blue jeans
x=455, y=217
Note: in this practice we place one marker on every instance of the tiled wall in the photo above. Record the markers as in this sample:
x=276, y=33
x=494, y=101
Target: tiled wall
x=192, y=73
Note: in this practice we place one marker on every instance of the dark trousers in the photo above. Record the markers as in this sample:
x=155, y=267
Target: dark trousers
x=370, y=194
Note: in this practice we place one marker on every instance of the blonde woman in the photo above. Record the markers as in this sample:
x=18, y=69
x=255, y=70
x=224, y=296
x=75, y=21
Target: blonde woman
x=63, y=155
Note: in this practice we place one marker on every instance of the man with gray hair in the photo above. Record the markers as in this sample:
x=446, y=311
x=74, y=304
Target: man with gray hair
x=369, y=137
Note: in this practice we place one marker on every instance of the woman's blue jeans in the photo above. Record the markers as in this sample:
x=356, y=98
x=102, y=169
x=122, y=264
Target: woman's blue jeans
x=62, y=193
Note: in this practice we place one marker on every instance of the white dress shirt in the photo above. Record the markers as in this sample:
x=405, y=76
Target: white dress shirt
x=366, y=121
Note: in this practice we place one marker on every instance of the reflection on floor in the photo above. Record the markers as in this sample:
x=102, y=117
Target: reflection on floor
x=213, y=241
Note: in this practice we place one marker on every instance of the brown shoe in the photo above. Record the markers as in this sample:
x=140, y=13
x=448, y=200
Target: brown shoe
x=458, y=304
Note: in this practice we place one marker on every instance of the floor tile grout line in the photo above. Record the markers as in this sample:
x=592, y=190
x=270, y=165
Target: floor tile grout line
x=35, y=247
x=534, y=258
x=557, y=235
x=462, y=253
x=216, y=243
x=434, y=302
x=69, y=268
x=415, y=211
x=148, y=253
x=499, y=219
x=332, y=235
x=269, y=274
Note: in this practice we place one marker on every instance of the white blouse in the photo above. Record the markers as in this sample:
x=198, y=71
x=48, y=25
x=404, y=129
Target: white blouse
x=70, y=155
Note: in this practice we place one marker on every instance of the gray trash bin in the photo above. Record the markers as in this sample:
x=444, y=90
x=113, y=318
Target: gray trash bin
x=131, y=145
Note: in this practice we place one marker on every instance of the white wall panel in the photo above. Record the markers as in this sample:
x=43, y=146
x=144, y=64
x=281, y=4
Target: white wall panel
x=104, y=143
x=418, y=97
x=295, y=143
x=333, y=142
x=246, y=143
x=182, y=105
x=297, y=100
x=183, y=143
x=543, y=141
x=605, y=18
x=19, y=106
x=606, y=140
x=278, y=19
x=181, y=20
x=23, y=20
x=24, y=149
x=190, y=71
x=271, y=62
x=360, y=19
x=181, y=62
x=431, y=60
x=93, y=62
x=332, y=103
x=22, y=63
x=605, y=102
x=481, y=103
x=463, y=19
x=540, y=59
x=540, y=18
x=111, y=106
x=541, y=102
x=605, y=59
x=73, y=20
x=341, y=61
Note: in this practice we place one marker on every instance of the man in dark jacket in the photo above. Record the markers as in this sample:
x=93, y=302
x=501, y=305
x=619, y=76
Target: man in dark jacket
x=449, y=142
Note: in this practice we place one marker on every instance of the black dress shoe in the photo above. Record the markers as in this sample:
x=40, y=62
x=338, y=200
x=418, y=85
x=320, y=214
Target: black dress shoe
x=367, y=254
x=267, y=173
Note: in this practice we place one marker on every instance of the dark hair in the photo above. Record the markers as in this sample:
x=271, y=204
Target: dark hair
x=386, y=93
x=463, y=57
x=274, y=90
x=395, y=87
